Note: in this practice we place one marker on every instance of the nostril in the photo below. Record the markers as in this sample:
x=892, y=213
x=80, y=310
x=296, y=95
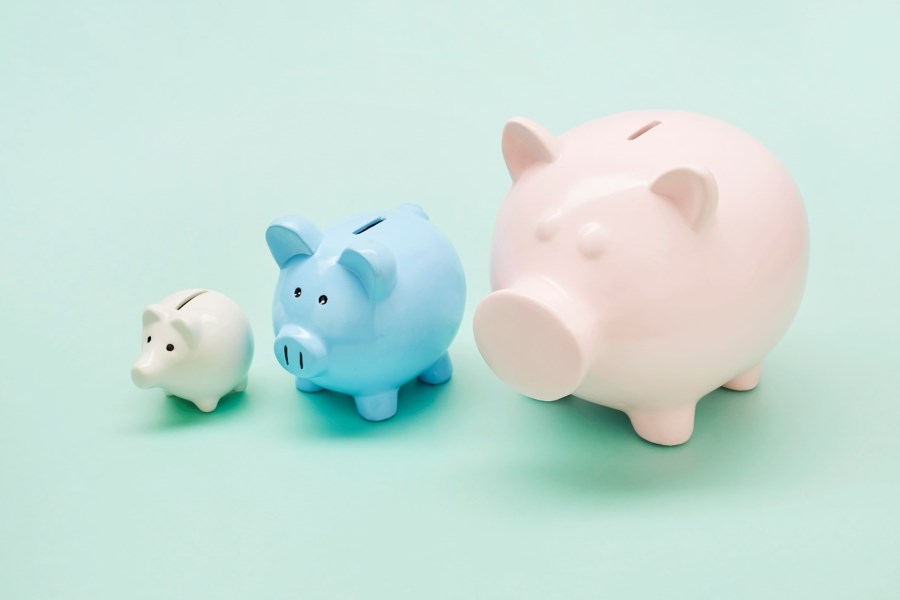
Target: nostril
x=298, y=351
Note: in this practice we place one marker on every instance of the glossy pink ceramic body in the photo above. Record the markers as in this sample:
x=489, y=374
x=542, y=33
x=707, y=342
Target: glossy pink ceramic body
x=640, y=261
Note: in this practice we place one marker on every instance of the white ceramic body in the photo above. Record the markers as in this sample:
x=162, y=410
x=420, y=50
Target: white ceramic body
x=197, y=344
x=641, y=265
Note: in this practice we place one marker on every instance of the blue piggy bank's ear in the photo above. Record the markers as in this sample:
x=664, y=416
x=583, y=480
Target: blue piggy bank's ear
x=292, y=236
x=374, y=265
x=413, y=209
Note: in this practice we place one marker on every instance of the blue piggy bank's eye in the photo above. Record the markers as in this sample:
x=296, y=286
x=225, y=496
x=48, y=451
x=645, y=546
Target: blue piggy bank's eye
x=297, y=292
x=323, y=299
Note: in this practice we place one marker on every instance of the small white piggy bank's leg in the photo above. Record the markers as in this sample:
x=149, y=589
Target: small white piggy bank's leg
x=669, y=426
x=208, y=404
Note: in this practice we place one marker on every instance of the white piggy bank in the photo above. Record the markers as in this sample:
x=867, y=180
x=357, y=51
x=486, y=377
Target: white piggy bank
x=197, y=344
x=640, y=261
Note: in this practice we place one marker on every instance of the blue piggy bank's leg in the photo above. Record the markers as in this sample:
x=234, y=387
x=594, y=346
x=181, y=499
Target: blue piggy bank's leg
x=439, y=372
x=377, y=407
x=305, y=385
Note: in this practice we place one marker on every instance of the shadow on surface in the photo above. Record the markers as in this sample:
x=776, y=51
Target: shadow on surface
x=330, y=414
x=590, y=452
x=178, y=413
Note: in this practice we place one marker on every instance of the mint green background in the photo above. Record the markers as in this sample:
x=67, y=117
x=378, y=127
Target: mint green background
x=144, y=148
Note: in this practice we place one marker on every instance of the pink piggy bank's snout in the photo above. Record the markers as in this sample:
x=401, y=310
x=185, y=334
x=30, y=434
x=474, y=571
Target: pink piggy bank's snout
x=300, y=352
x=532, y=340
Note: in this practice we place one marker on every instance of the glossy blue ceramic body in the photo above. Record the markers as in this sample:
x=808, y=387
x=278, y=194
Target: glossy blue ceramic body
x=366, y=305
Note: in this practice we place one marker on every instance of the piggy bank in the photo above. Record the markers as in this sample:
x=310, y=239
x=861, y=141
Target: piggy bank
x=640, y=261
x=366, y=305
x=197, y=345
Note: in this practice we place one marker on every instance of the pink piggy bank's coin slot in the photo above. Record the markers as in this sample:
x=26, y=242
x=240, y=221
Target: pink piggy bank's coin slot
x=644, y=130
x=529, y=345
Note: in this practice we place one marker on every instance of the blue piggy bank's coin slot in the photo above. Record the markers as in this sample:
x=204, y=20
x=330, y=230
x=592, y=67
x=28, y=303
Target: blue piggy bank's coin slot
x=368, y=226
x=188, y=299
x=644, y=130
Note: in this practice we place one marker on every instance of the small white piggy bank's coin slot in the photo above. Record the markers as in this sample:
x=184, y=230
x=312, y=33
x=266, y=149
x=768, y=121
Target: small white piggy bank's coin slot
x=189, y=298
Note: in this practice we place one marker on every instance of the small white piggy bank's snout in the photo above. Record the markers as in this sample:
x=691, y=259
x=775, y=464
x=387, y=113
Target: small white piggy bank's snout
x=197, y=344
x=141, y=373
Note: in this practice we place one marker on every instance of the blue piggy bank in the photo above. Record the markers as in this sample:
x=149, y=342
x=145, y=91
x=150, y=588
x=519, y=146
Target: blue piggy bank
x=366, y=305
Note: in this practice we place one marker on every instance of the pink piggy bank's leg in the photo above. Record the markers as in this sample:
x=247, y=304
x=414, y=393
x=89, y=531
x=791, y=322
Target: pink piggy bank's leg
x=665, y=426
x=745, y=381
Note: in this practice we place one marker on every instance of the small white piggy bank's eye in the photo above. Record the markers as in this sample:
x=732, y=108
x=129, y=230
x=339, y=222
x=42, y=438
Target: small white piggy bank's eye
x=592, y=240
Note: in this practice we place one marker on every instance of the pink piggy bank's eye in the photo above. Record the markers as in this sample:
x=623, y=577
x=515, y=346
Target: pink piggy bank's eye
x=591, y=240
x=548, y=226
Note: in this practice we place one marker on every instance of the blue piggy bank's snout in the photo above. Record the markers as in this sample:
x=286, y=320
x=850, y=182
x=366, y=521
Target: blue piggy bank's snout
x=300, y=352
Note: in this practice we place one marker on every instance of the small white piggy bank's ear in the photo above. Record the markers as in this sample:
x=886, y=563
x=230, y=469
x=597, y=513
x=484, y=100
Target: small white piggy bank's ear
x=190, y=327
x=291, y=236
x=374, y=265
x=693, y=192
x=152, y=314
x=526, y=144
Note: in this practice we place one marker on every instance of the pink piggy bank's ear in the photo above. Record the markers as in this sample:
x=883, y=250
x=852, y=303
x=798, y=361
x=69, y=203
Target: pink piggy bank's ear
x=693, y=191
x=527, y=144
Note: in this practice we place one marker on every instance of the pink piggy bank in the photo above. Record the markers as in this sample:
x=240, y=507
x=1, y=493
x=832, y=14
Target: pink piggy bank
x=640, y=261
